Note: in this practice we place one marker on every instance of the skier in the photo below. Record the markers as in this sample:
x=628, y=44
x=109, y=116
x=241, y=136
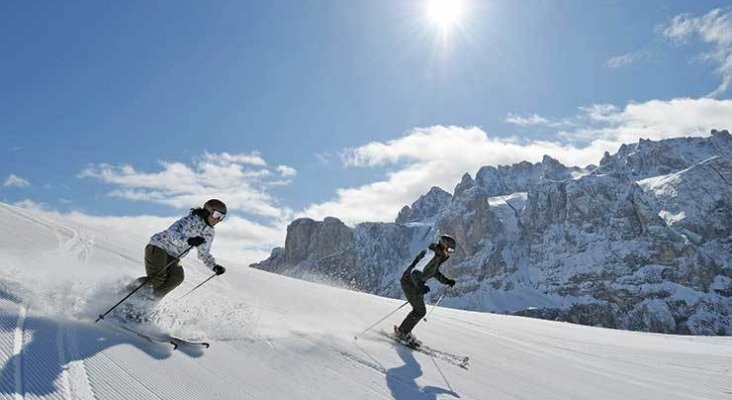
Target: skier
x=413, y=284
x=196, y=229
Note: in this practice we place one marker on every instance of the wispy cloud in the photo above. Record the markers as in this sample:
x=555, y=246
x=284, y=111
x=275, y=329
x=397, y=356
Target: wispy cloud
x=535, y=120
x=286, y=171
x=323, y=158
x=15, y=181
x=253, y=158
x=241, y=179
x=627, y=59
x=714, y=28
x=441, y=155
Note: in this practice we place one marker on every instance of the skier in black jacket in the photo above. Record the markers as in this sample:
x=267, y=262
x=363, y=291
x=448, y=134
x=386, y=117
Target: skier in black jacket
x=413, y=284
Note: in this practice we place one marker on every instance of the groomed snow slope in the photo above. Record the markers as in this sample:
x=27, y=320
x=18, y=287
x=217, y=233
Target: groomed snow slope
x=279, y=338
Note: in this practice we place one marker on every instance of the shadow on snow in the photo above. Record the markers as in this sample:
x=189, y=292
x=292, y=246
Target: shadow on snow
x=49, y=345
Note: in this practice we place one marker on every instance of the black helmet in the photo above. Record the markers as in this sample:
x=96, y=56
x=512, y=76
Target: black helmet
x=447, y=241
x=215, y=205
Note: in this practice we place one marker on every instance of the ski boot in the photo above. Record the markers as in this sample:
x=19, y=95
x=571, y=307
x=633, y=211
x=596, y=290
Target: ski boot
x=407, y=338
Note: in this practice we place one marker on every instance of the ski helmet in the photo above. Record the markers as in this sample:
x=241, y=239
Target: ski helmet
x=447, y=241
x=215, y=205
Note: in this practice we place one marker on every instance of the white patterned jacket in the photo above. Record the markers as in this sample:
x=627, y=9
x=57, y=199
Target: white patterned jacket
x=174, y=240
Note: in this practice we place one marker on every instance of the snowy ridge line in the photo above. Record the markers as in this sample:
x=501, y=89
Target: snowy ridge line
x=18, y=350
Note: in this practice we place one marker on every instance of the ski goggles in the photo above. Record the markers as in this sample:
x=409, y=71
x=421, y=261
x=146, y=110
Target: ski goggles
x=450, y=250
x=218, y=215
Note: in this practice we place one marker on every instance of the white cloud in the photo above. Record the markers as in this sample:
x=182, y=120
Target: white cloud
x=253, y=158
x=536, y=120
x=626, y=59
x=714, y=28
x=655, y=119
x=286, y=171
x=32, y=205
x=241, y=180
x=15, y=181
x=439, y=156
x=533, y=119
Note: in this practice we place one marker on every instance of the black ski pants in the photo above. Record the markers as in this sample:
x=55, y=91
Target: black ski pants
x=419, y=310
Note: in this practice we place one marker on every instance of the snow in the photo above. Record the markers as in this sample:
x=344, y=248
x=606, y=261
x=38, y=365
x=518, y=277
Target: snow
x=275, y=337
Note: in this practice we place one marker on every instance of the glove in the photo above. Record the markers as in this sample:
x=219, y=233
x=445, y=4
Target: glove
x=450, y=282
x=196, y=241
x=219, y=269
x=424, y=289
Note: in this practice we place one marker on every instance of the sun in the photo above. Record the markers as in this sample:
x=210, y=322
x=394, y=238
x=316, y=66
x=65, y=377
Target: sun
x=445, y=13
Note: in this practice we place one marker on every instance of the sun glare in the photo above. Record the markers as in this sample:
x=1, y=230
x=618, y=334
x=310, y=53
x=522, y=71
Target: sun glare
x=445, y=13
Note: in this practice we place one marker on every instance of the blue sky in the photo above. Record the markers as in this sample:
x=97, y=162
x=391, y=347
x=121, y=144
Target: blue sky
x=140, y=110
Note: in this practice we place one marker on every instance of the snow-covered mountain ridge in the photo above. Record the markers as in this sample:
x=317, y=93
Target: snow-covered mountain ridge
x=642, y=242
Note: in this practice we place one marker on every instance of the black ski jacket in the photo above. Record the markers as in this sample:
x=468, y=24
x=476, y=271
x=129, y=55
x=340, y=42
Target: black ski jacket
x=431, y=270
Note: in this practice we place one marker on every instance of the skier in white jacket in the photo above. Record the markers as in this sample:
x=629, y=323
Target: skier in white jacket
x=196, y=229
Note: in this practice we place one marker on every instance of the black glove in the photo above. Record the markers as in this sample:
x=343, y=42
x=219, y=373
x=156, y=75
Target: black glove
x=424, y=289
x=450, y=282
x=196, y=241
x=219, y=269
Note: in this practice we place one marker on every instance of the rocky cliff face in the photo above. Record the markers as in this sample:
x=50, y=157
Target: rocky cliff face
x=642, y=242
x=427, y=207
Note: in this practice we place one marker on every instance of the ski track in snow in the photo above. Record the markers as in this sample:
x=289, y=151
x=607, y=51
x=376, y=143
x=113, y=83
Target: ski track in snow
x=75, y=379
x=18, y=352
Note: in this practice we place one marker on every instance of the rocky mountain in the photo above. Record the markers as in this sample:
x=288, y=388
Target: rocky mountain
x=643, y=241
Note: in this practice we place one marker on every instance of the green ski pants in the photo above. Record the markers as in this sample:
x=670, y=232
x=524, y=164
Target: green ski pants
x=161, y=281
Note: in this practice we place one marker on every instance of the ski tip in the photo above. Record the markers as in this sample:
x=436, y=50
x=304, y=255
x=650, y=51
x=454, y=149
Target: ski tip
x=206, y=344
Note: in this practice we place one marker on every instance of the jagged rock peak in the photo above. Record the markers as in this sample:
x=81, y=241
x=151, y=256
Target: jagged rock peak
x=652, y=158
x=520, y=177
x=552, y=169
x=426, y=207
x=307, y=238
x=466, y=183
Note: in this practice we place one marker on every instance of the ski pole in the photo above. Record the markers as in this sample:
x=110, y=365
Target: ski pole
x=199, y=285
x=181, y=255
x=377, y=322
x=435, y=306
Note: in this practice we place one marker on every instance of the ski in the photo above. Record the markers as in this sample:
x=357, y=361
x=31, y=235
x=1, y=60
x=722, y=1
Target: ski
x=460, y=361
x=161, y=337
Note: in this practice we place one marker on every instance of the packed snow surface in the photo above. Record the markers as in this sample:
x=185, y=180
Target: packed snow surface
x=275, y=337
